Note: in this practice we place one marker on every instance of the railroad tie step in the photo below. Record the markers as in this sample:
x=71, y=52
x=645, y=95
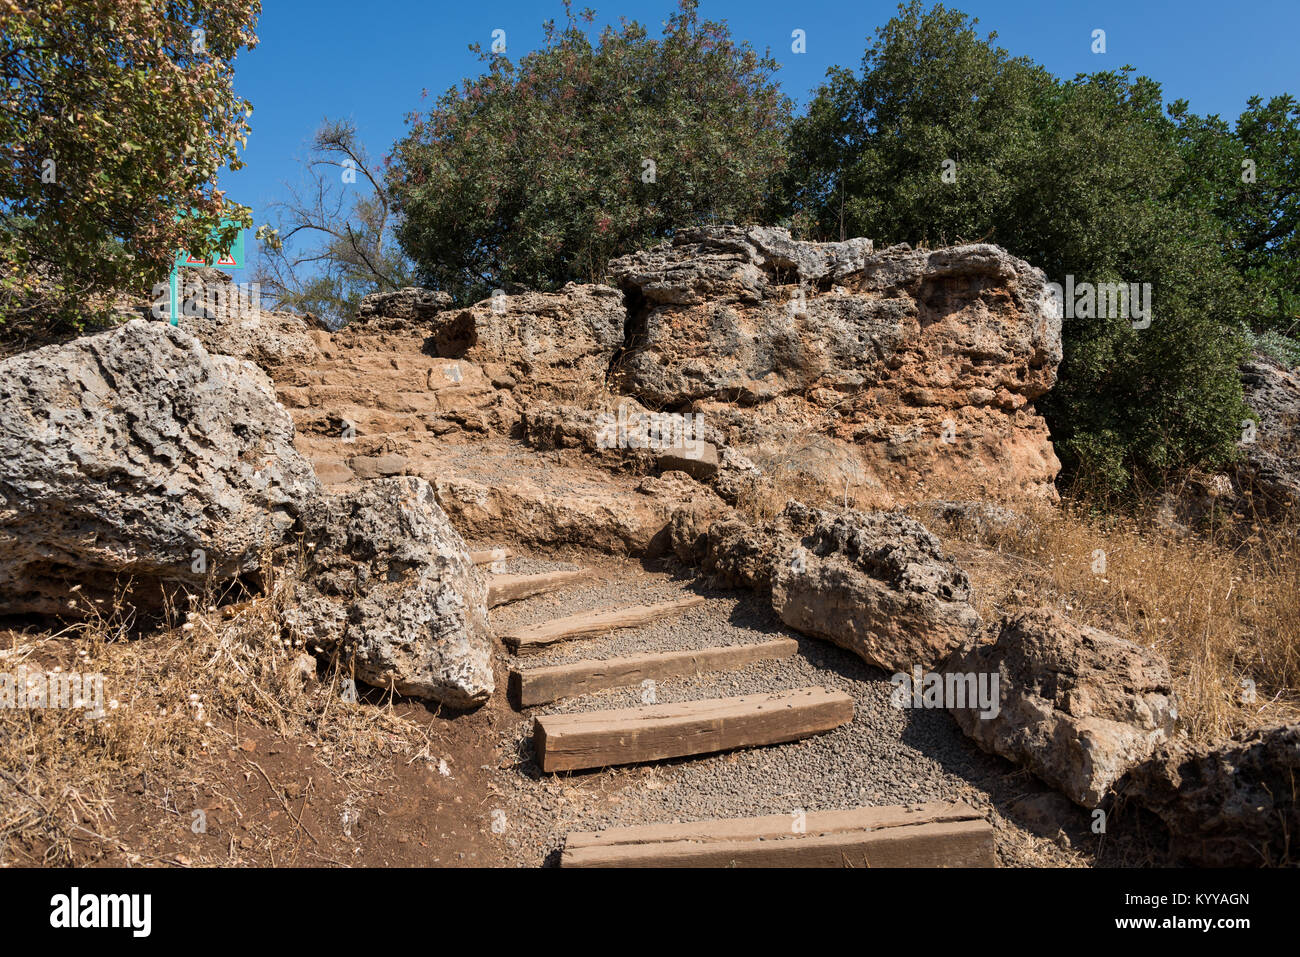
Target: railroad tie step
x=534, y=686
x=508, y=588
x=597, y=739
x=921, y=835
x=534, y=639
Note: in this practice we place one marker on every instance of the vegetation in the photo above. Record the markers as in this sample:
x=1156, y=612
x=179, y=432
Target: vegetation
x=538, y=172
x=117, y=117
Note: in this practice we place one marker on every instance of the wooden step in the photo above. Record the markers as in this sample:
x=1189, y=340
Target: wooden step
x=535, y=686
x=534, y=639
x=597, y=739
x=507, y=588
x=923, y=835
x=489, y=555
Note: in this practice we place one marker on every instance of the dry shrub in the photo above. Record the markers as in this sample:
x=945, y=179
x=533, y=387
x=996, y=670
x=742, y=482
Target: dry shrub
x=1225, y=614
x=170, y=696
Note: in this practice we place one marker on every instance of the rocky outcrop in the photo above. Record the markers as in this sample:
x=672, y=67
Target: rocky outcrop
x=136, y=458
x=877, y=584
x=1271, y=470
x=270, y=340
x=633, y=438
x=386, y=581
x=403, y=308
x=1232, y=804
x=549, y=343
x=1078, y=707
x=926, y=361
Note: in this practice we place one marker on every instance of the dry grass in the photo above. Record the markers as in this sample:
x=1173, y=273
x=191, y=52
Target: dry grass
x=171, y=696
x=1225, y=615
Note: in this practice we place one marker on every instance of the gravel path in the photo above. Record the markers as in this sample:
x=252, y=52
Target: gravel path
x=884, y=756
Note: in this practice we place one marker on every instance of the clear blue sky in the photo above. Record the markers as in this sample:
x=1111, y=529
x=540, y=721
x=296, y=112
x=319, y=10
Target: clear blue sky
x=369, y=61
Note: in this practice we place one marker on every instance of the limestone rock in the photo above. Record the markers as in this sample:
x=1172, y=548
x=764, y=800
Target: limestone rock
x=123, y=454
x=1232, y=804
x=269, y=340
x=389, y=581
x=542, y=342
x=877, y=584
x=1272, y=462
x=1078, y=707
x=403, y=308
x=927, y=360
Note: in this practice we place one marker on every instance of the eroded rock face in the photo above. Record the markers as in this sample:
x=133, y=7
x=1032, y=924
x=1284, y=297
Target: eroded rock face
x=1228, y=805
x=386, y=579
x=1078, y=707
x=544, y=342
x=124, y=454
x=1272, y=462
x=875, y=583
x=269, y=340
x=405, y=307
x=927, y=361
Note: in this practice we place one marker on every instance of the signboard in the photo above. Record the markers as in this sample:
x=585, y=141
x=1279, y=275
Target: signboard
x=221, y=259
x=232, y=258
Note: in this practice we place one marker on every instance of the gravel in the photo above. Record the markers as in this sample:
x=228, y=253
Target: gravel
x=886, y=755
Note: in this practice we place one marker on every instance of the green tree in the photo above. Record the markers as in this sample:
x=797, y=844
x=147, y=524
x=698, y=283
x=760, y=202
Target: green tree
x=944, y=137
x=537, y=172
x=117, y=117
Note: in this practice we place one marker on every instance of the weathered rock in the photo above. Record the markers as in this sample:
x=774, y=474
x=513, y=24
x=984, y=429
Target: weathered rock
x=927, y=360
x=123, y=454
x=1272, y=461
x=877, y=584
x=543, y=342
x=412, y=305
x=390, y=582
x=1078, y=707
x=635, y=439
x=1232, y=804
x=267, y=339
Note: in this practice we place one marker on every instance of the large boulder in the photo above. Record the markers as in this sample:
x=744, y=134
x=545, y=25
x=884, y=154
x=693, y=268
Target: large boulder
x=875, y=583
x=553, y=343
x=1231, y=804
x=1271, y=467
x=928, y=361
x=388, y=583
x=1078, y=707
x=135, y=457
x=411, y=306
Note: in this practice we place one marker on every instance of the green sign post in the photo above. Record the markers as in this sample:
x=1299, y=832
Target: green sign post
x=231, y=259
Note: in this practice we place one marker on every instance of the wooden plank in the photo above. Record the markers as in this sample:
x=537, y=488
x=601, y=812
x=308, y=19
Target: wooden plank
x=490, y=555
x=925, y=835
x=567, y=742
x=534, y=686
x=532, y=639
x=507, y=588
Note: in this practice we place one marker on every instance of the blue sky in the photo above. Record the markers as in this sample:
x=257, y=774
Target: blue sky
x=370, y=61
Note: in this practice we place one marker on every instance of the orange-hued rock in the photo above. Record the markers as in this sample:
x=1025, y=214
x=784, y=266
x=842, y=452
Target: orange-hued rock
x=925, y=362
